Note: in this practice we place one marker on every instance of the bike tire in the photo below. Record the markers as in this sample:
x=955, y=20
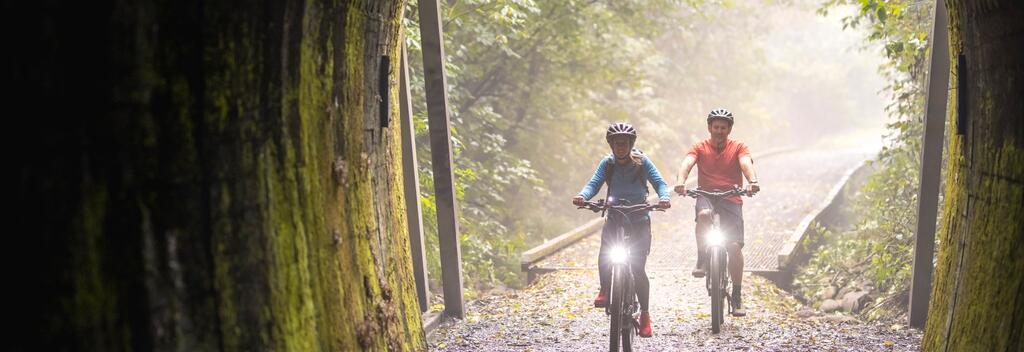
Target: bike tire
x=615, y=332
x=715, y=272
x=629, y=325
x=627, y=338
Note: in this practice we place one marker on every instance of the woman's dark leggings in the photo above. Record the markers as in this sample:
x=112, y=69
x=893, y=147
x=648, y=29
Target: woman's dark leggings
x=641, y=246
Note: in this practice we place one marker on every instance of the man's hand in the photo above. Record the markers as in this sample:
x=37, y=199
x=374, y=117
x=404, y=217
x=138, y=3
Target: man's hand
x=664, y=204
x=680, y=189
x=753, y=188
x=578, y=201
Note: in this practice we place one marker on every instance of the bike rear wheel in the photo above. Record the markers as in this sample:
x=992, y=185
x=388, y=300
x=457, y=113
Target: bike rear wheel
x=617, y=293
x=716, y=272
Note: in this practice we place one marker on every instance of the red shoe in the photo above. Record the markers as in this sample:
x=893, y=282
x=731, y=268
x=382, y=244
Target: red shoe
x=601, y=301
x=645, y=324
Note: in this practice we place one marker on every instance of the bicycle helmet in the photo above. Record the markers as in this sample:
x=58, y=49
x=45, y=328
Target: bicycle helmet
x=720, y=113
x=619, y=128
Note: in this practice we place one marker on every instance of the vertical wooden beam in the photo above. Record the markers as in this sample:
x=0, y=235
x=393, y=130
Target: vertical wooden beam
x=432, y=40
x=931, y=169
x=410, y=169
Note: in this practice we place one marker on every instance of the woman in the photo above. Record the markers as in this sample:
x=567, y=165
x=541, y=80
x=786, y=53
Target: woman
x=627, y=171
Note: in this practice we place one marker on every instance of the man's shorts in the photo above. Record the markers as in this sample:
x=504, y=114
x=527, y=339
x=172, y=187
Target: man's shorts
x=730, y=216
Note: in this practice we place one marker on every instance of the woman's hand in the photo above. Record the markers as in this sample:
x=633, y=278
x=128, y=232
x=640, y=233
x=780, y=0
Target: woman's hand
x=578, y=201
x=664, y=204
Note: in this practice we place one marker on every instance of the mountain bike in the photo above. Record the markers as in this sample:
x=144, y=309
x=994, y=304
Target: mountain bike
x=624, y=308
x=717, y=278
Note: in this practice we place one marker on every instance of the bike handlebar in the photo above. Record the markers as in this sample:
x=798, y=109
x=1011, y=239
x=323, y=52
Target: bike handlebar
x=601, y=205
x=721, y=194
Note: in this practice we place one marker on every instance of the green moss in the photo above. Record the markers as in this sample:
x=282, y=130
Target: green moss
x=93, y=301
x=975, y=296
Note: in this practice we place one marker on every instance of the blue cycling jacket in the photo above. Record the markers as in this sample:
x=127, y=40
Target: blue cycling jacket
x=626, y=183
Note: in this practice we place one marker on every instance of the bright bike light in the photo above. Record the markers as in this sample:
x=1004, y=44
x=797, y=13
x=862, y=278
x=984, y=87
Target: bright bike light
x=715, y=238
x=617, y=254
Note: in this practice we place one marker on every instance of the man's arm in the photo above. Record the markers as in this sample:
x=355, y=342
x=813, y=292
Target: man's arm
x=747, y=167
x=684, y=172
x=684, y=169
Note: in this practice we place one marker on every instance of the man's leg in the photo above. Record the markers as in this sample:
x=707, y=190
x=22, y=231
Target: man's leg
x=736, y=273
x=704, y=220
x=735, y=264
x=732, y=219
x=703, y=217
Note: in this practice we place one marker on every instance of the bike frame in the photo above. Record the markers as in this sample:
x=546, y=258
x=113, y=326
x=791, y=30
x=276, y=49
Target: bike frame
x=624, y=307
x=717, y=278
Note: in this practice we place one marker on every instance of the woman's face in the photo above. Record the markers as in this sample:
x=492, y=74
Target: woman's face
x=620, y=146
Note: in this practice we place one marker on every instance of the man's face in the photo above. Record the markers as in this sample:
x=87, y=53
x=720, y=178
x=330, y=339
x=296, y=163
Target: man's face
x=620, y=146
x=719, y=130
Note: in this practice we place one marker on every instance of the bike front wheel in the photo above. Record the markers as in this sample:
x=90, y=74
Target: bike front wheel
x=716, y=273
x=617, y=299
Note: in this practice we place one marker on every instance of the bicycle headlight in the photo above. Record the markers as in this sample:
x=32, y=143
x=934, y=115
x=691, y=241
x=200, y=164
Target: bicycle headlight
x=617, y=254
x=715, y=238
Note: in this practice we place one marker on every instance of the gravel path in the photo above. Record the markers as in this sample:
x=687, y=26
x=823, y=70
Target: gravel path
x=556, y=312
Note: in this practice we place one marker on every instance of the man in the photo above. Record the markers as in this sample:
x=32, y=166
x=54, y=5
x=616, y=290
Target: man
x=626, y=171
x=720, y=162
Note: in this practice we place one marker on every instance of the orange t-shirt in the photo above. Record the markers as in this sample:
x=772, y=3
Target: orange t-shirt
x=719, y=170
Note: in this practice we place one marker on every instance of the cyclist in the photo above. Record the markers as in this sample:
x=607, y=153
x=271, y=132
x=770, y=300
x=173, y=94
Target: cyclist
x=626, y=170
x=720, y=162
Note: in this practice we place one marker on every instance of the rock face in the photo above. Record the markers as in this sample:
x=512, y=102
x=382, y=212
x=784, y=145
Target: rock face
x=853, y=302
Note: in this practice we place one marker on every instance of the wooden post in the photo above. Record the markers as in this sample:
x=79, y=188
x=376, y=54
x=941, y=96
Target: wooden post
x=411, y=182
x=432, y=41
x=931, y=169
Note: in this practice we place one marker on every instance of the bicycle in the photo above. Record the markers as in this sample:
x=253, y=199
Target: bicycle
x=717, y=279
x=624, y=308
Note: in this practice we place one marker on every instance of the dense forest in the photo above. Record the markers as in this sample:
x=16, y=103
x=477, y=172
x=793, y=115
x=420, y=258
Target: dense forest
x=533, y=84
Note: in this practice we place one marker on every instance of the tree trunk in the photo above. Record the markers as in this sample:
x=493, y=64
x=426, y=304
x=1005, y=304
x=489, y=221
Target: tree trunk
x=978, y=294
x=210, y=176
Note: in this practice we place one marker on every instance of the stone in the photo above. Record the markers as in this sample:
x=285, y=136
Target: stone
x=843, y=291
x=806, y=313
x=853, y=302
x=829, y=292
x=836, y=318
x=830, y=305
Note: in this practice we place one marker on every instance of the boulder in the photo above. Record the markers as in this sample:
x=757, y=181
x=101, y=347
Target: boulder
x=843, y=291
x=830, y=305
x=829, y=292
x=853, y=302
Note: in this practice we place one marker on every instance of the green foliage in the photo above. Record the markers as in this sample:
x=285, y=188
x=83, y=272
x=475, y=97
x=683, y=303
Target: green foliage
x=522, y=76
x=877, y=250
x=532, y=85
